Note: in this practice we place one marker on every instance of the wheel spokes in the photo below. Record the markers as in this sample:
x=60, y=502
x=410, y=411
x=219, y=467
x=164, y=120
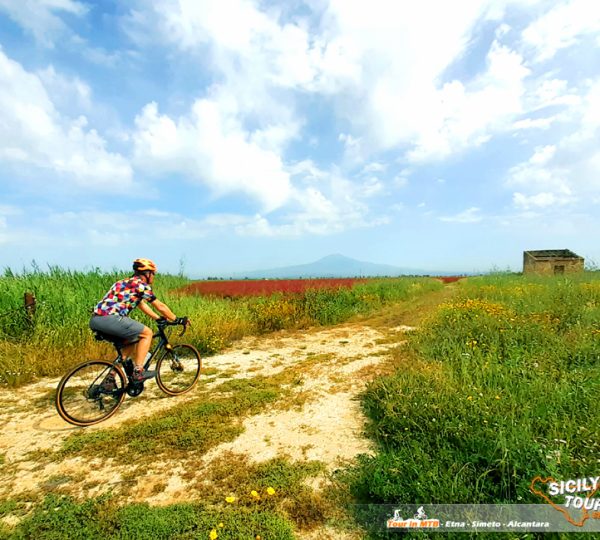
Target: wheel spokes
x=179, y=369
x=85, y=397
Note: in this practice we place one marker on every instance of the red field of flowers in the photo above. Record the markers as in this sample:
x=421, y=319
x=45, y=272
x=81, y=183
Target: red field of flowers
x=265, y=287
x=450, y=279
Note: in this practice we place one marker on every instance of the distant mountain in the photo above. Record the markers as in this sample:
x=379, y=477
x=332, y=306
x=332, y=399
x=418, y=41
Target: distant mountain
x=331, y=266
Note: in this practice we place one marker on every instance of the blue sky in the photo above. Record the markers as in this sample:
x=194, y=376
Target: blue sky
x=230, y=135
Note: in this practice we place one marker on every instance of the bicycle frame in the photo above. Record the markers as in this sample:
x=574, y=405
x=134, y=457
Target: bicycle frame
x=84, y=391
x=163, y=343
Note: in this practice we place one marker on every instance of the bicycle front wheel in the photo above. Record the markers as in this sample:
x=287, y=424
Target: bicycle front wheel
x=178, y=369
x=90, y=392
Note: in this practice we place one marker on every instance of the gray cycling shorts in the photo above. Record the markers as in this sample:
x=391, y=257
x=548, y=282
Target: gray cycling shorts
x=115, y=325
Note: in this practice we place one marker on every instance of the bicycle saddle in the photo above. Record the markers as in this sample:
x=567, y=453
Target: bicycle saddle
x=101, y=336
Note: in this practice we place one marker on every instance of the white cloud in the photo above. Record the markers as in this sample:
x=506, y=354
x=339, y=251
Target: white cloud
x=534, y=123
x=397, y=101
x=463, y=116
x=314, y=213
x=4, y=236
x=66, y=93
x=548, y=92
x=470, y=215
x=41, y=17
x=562, y=26
x=540, y=200
x=374, y=167
x=567, y=171
x=33, y=132
x=212, y=147
x=364, y=55
x=252, y=46
x=307, y=171
x=400, y=181
x=586, y=118
x=371, y=187
x=336, y=205
x=538, y=174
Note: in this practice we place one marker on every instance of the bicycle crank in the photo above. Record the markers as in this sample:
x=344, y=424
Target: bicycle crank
x=135, y=388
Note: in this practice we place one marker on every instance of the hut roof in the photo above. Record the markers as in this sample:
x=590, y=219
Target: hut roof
x=553, y=254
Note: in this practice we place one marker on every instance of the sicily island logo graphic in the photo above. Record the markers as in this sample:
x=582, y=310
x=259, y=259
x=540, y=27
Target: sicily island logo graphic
x=578, y=500
x=418, y=521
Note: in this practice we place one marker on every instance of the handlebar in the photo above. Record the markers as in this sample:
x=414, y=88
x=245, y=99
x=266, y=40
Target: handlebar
x=180, y=321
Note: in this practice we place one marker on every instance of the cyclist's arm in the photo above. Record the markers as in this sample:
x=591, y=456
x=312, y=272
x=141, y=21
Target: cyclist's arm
x=145, y=308
x=159, y=306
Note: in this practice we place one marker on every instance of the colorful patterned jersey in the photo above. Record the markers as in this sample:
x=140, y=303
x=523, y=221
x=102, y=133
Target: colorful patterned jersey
x=124, y=296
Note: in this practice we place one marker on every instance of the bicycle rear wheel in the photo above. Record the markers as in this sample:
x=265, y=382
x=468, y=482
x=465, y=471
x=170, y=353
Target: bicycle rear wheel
x=86, y=395
x=178, y=369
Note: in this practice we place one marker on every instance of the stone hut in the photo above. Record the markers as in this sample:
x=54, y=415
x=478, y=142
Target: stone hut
x=552, y=261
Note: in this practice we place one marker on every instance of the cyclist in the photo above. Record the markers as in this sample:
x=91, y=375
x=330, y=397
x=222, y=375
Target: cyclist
x=111, y=315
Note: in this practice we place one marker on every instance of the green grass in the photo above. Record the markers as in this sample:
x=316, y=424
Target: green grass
x=194, y=426
x=290, y=505
x=282, y=504
x=495, y=388
x=61, y=517
x=58, y=336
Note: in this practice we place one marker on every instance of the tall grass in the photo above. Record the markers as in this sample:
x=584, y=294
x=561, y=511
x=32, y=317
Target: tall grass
x=58, y=336
x=496, y=388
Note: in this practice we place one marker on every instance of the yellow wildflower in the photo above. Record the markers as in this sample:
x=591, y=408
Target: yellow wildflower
x=270, y=491
x=470, y=398
x=497, y=397
x=221, y=525
x=255, y=494
x=213, y=535
x=229, y=499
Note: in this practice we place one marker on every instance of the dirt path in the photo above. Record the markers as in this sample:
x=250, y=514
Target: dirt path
x=327, y=425
x=328, y=428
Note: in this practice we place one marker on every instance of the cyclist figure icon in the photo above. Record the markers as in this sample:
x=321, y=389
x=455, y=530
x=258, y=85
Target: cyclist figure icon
x=420, y=514
x=111, y=315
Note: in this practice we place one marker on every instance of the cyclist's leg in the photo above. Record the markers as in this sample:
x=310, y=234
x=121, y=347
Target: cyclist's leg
x=142, y=347
x=124, y=328
x=136, y=336
x=128, y=351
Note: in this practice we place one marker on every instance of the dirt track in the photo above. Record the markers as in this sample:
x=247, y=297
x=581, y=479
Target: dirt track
x=328, y=428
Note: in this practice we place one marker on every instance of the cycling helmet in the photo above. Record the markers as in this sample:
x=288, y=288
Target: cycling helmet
x=143, y=265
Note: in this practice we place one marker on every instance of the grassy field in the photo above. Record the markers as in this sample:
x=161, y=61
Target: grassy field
x=497, y=385
x=58, y=336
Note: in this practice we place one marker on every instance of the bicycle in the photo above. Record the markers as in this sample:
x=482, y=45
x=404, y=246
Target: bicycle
x=94, y=390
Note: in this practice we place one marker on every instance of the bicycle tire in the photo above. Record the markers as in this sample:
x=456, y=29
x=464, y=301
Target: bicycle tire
x=81, y=399
x=178, y=370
